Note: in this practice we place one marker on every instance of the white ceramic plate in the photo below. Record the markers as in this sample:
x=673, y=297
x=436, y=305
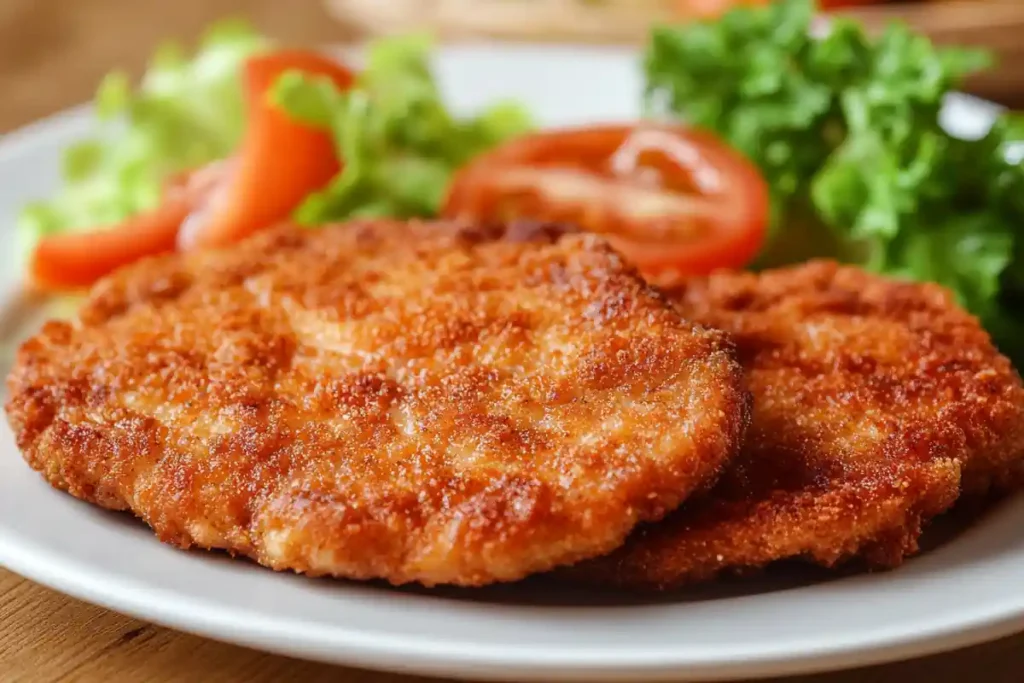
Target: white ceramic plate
x=967, y=590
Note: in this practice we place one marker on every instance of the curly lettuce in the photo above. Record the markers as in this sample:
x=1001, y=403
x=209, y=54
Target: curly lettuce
x=845, y=127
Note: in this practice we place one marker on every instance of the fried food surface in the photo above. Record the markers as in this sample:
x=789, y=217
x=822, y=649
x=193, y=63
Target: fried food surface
x=412, y=402
x=872, y=400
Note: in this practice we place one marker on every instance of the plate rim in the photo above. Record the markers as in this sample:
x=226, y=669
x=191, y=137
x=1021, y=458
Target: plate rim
x=346, y=645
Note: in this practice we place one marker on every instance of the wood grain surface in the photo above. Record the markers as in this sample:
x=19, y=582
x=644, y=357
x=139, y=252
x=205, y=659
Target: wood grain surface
x=998, y=24
x=51, y=54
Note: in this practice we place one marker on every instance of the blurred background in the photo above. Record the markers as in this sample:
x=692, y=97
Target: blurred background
x=53, y=52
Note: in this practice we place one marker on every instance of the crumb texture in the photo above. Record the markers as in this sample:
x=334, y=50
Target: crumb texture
x=874, y=401
x=413, y=402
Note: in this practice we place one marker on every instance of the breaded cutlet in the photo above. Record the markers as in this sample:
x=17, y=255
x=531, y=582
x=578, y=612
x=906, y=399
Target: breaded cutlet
x=875, y=402
x=414, y=402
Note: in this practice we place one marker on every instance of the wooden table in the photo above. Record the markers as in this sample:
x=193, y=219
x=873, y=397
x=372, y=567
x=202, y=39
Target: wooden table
x=52, y=53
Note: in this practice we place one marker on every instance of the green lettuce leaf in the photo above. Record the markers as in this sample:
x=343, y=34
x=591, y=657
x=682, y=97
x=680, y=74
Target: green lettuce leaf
x=845, y=127
x=399, y=142
x=187, y=111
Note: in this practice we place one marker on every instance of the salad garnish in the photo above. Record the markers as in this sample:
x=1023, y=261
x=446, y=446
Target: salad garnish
x=842, y=127
x=245, y=135
x=185, y=113
x=399, y=141
x=673, y=200
x=846, y=129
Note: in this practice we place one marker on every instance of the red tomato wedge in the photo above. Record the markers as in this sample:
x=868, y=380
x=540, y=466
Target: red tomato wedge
x=280, y=162
x=673, y=200
x=75, y=260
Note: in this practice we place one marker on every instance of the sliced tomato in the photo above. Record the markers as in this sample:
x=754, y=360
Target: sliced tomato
x=674, y=200
x=280, y=162
x=75, y=260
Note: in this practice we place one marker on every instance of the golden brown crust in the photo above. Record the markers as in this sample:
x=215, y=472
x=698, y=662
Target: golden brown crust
x=870, y=399
x=412, y=402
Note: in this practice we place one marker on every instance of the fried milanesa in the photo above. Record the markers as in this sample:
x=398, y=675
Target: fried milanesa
x=418, y=403
x=871, y=399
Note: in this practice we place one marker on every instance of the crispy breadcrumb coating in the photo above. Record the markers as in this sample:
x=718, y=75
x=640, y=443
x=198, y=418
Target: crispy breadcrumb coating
x=873, y=400
x=410, y=402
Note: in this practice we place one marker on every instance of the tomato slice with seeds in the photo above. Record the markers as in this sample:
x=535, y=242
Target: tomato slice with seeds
x=675, y=201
